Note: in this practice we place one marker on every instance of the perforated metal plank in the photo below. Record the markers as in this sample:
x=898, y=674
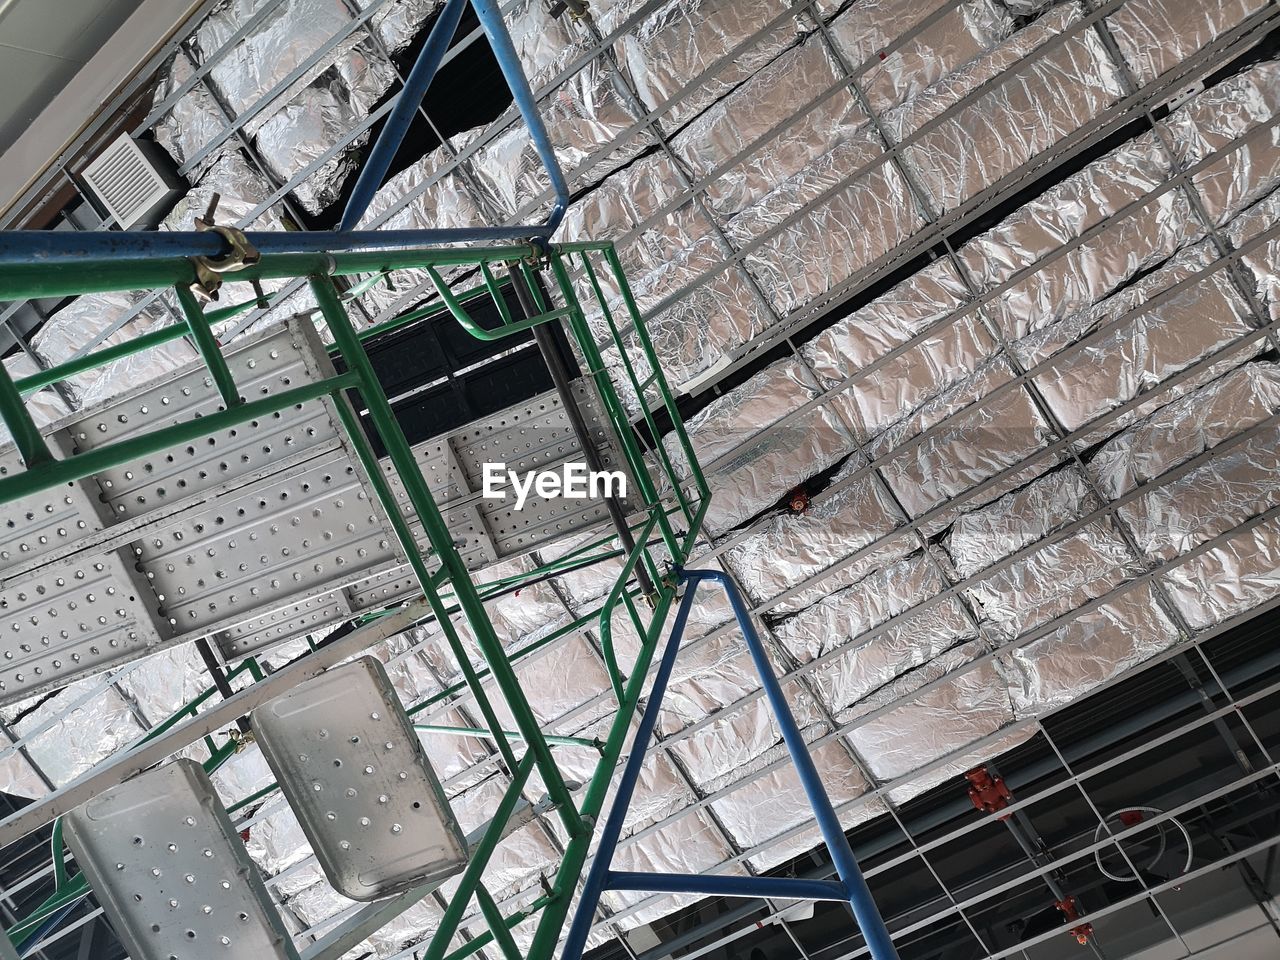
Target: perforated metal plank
x=287, y=623
x=176, y=882
x=73, y=617
x=352, y=768
x=535, y=436
x=284, y=357
x=36, y=526
x=290, y=537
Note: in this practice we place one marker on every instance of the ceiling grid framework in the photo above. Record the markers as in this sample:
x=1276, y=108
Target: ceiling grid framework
x=1207, y=237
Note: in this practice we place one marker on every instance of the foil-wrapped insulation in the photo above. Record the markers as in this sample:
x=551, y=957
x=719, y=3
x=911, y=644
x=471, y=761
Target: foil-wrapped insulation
x=1255, y=231
x=585, y=118
x=915, y=376
x=764, y=107
x=320, y=115
x=846, y=224
x=1176, y=516
x=1053, y=580
x=1157, y=35
x=241, y=190
x=691, y=844
x=194, y=119
x=586, y=114
x=935, y=712
x=413, y=926
x=771, y=804
x=662, y=259
x=856, y=518
x=853, y=667
x=519, y=858
x=1138, y=338
x=1017, y=104
x=906, y=311
x=1141, y=234
x=419, y=197
x=1185, y=429
x=971, y=439
x=696, y=50
x=1231, y=578
x=982, y=537
x=962, y=33
x=45, y=405
x=747, y=473
x=1241, y=108
x=81, y=725
x=701, y=330
x=91, y=316
x=743, y=737
x=286, y=38
x=398, y=22
x=1092, y=648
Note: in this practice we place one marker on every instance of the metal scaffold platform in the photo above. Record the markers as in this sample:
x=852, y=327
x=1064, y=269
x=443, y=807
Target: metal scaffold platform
x=245, y=500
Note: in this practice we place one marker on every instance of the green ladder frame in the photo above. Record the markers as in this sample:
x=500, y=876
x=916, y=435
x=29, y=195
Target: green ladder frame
x=674, y=527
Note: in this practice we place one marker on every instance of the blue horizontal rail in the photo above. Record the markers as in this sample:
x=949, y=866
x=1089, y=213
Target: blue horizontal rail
x=783, y=888
x=851, y=887
x=66, y=248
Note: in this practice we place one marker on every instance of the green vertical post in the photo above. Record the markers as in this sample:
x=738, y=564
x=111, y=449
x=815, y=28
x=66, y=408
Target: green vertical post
x=26, y=435
x=352, y=350
x=208, y=347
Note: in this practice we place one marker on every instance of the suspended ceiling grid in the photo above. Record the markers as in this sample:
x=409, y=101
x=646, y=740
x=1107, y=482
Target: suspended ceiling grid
x=917, y=624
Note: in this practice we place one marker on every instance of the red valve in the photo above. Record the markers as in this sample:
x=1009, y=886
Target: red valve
x=798, y=500
x=989, y=794
x=1082, y=932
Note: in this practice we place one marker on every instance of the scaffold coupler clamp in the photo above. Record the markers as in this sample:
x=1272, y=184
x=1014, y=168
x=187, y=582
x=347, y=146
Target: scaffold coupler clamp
x=209, y=270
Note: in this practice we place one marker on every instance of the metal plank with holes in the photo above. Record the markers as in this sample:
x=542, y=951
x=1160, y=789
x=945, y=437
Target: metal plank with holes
x=534, y=436
x=51, y=522
x=294, y=620
x=299, y=534
x=354, y=772
x=172, y=875
x=73, y=617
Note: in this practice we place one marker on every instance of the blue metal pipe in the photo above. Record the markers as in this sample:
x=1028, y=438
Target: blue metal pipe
x=392, y=133
x=783, y=888
x=67, y=248
x=490, y=17
x=864, y=907
x=594, y=885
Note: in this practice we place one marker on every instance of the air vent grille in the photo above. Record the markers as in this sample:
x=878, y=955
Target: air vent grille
x=126, y=182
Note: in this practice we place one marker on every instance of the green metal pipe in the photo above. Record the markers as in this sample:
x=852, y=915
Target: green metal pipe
x=207, y=345
x=663, y=456
x=90, y=462
x=554, y=739
x=480, y=333
x=484, y=938
x=613, y=408
x=646, y=344
x=470, y=879
x=611, y=603
x=497, y=924
x=100, y=358
x=26, y=435
x=441, y=540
